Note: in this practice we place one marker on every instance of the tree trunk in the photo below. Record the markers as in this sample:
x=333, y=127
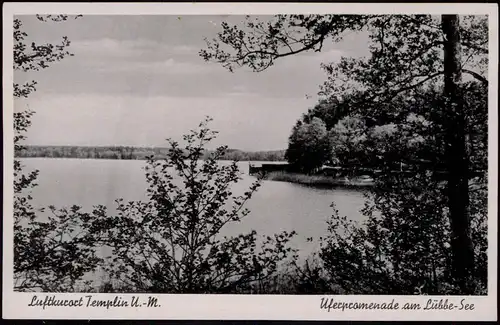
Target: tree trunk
x=456, y=157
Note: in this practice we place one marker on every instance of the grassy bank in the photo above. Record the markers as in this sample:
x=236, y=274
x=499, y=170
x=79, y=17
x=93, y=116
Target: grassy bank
x=317, y=180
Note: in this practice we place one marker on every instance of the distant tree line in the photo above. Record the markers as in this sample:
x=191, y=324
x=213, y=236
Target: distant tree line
x=134, y=153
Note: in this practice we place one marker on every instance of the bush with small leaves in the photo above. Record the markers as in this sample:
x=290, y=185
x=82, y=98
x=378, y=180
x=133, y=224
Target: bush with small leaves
x=173, y=244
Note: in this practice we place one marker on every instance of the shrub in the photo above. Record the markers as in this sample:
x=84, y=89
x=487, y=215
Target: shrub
x=173, y=244
x=404, y=246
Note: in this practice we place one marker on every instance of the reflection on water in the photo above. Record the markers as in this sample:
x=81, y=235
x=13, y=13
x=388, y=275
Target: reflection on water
x=275, y=207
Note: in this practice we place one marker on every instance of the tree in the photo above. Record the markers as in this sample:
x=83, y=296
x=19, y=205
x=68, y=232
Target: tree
x=390, y=253
x=173, y=243
x=404, y=246
x=406, y=52
x=329, y=111
x=308, y=146
x=50, y=255
x=457, y=162
x=345, y=139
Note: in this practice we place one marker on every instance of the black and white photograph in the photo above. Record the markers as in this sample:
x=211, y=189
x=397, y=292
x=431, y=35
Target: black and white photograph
x=274, y=154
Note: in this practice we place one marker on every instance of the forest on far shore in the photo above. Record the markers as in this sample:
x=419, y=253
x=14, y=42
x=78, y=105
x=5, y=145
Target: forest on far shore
x=134, y=153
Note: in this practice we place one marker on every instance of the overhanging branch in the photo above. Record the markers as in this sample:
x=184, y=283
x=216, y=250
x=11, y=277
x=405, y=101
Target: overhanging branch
x=477, y=76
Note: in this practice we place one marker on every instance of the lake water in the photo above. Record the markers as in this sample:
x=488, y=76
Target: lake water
x=275, y=207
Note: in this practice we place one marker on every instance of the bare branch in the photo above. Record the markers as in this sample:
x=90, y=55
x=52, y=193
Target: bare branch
x=477, y=76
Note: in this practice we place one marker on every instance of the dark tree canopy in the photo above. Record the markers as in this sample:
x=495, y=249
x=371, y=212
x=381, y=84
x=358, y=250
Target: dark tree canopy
x=309, y=146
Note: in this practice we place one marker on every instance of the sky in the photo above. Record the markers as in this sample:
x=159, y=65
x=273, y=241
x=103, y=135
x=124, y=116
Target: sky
x=137, y=80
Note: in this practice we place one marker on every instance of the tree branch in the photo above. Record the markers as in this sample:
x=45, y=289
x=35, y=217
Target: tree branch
x=477, y=76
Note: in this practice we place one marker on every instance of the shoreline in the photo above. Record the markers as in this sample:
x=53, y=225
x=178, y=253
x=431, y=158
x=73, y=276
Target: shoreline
x=318, y=180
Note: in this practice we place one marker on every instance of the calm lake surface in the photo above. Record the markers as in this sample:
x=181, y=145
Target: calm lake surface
x=276, y=206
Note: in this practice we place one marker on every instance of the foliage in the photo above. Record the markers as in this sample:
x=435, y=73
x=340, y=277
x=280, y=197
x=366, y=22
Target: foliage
x=405, y=49
x=329, y=111
x=259, y=43
x=389, y=254
x=51, y=254
x=401, y=85
x=404, y=246
x=173, y=243
x=308, y=146
x=386, y=111
x=398, y=65
x=345, y=138
x=34, y=56
x=413, y=135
